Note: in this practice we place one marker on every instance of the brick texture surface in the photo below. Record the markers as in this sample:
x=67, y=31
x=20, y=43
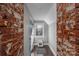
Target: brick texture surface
x=68, y=29
x=11, y=29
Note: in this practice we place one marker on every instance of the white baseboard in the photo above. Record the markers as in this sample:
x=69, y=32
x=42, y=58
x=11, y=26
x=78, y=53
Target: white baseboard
x=52, y=50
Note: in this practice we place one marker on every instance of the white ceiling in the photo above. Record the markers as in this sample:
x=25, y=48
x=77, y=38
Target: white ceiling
x=43, y=11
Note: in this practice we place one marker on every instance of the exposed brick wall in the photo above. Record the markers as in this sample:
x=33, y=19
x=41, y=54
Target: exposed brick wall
x=77, y=28
x=11, y=29
x=67, y=29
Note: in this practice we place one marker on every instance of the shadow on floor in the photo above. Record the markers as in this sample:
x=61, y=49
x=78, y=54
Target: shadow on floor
x=42, y=51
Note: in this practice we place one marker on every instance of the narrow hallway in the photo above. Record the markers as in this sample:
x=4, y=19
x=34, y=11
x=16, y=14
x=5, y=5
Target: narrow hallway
x=42, y=38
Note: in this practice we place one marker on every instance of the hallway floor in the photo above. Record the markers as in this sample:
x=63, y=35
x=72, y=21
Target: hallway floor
x=42, y=51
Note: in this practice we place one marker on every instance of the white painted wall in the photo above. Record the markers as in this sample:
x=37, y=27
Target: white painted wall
x=27, y=31
x=52, y=30
x=26, y=36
